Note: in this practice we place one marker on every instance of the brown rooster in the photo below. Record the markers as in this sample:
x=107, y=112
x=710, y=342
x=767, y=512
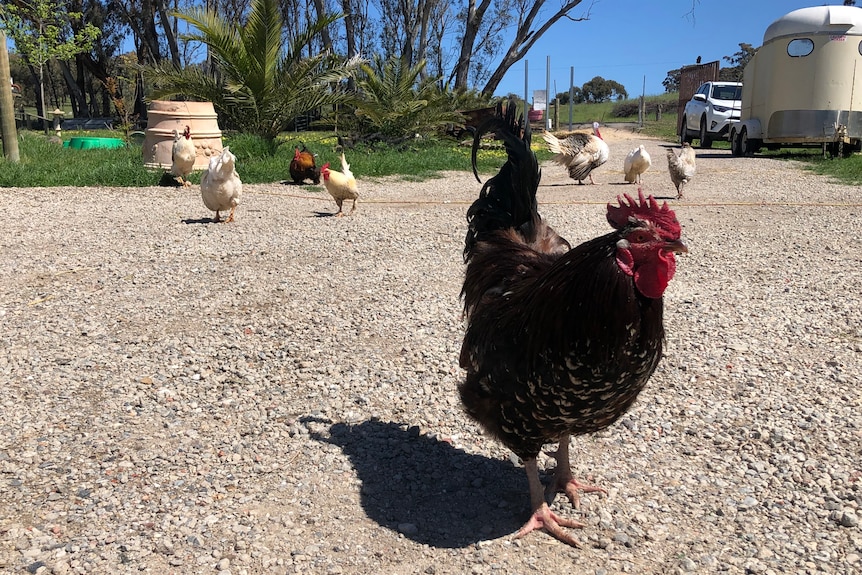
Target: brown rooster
x=559, y=340
x=303, y=167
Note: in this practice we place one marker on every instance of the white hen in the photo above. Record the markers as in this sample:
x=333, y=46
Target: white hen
x=636, y=163
x=579, y=153
x=221, y=187
x=681, y=167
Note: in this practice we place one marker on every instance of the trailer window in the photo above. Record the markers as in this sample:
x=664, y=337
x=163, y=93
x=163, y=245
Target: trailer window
x=800, y=47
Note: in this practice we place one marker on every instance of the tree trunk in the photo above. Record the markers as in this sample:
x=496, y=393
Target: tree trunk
x=7, y=107
x=350, y=36
x=422, y=48
x=76, y=95
x=408, y=12
x=325, y=37
x=169, y=33
x=471, y=30
x=524, y=40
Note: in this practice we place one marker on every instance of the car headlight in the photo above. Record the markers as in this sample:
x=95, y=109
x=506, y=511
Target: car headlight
x=721, y=109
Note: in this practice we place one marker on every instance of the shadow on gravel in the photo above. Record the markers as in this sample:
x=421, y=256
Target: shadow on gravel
x=189, y=221
x=428, y=490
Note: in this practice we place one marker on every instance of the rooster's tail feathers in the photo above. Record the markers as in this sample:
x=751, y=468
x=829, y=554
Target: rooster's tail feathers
x=345, y=167
x=507, y=200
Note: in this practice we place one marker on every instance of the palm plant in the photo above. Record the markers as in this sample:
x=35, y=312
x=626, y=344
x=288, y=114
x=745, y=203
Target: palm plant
x=394, y=102
x=261, y=82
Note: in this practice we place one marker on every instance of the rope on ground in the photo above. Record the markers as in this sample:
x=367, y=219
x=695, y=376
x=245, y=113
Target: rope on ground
x=328, y=199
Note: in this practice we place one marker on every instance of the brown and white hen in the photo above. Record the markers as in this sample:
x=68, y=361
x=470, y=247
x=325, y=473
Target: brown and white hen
x=183, y=156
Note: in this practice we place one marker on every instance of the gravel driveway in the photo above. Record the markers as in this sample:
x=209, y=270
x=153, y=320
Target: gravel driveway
x=277, y=395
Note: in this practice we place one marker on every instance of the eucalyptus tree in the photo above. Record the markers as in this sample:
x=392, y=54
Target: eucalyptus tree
x=260, y=81
x=42, y=31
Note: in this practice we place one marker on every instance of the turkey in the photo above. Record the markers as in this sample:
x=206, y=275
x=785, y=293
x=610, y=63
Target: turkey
x=681, y=167
x=636, y=163
x=579, y=153
x=559, y=341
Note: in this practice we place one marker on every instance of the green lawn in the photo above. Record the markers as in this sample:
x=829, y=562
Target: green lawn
x=46, y=164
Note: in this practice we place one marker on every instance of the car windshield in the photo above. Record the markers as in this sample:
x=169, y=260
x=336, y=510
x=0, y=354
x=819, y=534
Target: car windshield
x=727, y=92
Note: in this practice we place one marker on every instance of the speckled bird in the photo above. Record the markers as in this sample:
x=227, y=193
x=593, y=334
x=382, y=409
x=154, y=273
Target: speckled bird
x=559, y=341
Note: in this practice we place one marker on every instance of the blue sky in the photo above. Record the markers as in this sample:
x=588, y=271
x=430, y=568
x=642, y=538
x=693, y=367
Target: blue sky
x=625, y=40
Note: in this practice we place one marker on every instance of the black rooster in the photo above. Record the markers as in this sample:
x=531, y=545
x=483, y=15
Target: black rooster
x=559, y=340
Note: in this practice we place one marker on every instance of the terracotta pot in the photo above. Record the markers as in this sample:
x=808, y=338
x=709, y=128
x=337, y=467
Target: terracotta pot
x=164, y=117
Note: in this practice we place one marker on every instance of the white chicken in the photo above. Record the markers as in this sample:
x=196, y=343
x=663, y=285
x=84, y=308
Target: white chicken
x=340, y=185
x=636, y=163
x=681, y=167
x=221, y=187
x=580, y=153
x=183, y=155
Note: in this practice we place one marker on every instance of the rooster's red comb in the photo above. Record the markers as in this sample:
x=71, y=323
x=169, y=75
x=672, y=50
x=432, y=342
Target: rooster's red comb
x=646, y=209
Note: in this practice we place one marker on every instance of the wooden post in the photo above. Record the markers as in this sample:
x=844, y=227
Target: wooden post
x=7, y=108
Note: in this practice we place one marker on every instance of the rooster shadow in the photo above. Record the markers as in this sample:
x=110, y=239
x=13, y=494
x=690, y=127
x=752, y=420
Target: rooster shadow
x=427, y=489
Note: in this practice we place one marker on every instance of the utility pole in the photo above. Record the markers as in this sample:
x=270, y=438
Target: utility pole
x=7, y=108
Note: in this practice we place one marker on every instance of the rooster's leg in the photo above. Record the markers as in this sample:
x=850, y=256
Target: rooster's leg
x=564, y=481
x=353, y=207
x=679, y=190
x=339, y=213
x=217, y=218
x=543, y=517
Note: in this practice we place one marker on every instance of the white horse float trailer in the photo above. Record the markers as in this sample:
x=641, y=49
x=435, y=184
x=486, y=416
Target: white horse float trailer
x=803, y=87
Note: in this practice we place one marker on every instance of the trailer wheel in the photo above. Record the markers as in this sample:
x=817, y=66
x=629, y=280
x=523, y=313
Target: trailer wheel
x=746, y=147
x=705, y=141
x=734, y=144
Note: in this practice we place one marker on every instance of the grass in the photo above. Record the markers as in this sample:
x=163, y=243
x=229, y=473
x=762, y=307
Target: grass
x=844, y=170
x=44, y=164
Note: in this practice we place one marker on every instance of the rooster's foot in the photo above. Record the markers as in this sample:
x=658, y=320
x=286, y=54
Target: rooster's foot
x=230, y=217
x=571, y=486
x=217, y=218
x=544, y=518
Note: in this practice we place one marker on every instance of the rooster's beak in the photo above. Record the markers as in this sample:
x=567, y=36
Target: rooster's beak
x=676, y=246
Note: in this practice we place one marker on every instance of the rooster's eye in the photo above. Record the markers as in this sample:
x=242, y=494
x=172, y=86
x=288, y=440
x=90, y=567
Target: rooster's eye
x=638, y=237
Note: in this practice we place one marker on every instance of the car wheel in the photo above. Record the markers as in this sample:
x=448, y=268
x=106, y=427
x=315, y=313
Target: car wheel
x=705, y=141
x=683, y=132
x=734, y=144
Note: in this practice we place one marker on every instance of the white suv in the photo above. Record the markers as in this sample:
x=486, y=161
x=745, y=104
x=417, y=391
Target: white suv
x=710, y=112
